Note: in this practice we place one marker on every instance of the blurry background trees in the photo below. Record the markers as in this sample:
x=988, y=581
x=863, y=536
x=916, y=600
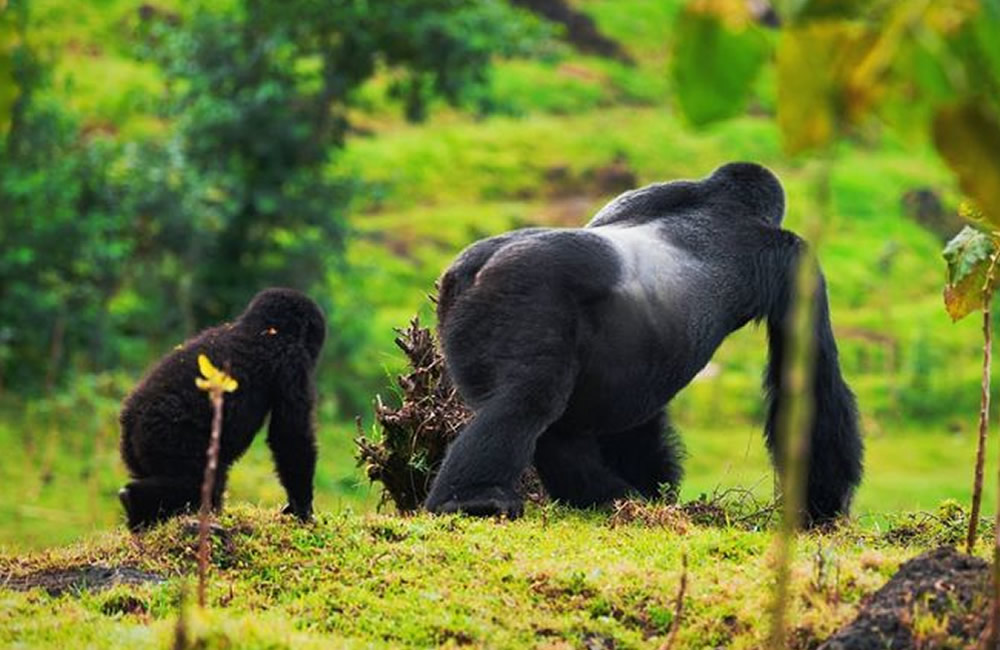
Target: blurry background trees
x=160, y=161
x=111, y=242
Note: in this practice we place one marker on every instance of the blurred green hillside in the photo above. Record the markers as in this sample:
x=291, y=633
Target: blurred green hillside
x=557, y=135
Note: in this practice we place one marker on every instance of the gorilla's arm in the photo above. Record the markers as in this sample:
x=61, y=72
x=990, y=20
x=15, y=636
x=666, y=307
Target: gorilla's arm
x=291, y=433
x=835, y=447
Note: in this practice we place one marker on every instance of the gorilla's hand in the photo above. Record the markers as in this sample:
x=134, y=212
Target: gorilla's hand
x=303, y=513
x=490, y=501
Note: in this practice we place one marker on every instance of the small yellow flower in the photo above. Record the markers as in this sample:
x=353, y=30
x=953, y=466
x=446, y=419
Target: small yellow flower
x=213, y=378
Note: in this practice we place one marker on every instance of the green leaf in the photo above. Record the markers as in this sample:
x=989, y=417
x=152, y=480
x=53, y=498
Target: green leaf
x=969, y=256
x=968, y=137
x=715, y=65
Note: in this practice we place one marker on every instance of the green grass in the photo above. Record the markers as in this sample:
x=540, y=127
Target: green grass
x=555, y=577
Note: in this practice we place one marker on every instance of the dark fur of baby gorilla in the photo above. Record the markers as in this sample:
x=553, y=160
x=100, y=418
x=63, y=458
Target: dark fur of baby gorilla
x=271, y=350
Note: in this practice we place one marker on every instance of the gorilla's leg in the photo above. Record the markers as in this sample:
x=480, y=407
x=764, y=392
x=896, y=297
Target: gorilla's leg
x=519, y=384
x=153, y=499
x=573, y=471
x=648, y=456
x=482, y=467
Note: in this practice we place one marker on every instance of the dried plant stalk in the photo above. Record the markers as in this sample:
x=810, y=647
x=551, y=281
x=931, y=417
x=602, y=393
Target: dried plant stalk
x=407, y=452
x=207, y=486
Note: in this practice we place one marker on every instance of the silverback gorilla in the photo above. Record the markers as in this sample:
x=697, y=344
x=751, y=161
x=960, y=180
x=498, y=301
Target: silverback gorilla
x=568, y=343
x=271, y=350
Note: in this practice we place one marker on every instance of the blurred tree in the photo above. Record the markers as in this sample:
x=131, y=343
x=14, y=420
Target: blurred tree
x=258, y=97
x=62, y=242
x=151, y=238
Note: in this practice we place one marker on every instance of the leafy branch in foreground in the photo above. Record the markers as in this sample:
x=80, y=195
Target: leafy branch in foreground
x=972, y=259
x=215, y=382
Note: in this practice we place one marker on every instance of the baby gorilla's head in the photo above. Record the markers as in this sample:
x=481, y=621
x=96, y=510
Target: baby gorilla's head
x=288, y=313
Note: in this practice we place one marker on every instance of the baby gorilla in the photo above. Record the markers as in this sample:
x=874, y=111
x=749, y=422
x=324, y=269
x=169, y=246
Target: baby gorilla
x=271, y=350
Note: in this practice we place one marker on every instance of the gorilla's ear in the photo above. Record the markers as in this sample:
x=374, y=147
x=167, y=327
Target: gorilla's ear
x=753, y=185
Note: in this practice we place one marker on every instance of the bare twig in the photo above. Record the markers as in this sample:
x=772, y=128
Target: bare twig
x=984, y=407
x=207, y=486
x=994, y=636
x=180, y=627
x=675, y=624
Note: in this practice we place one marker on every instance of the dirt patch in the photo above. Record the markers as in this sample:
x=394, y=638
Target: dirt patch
x=649, y=514
x=581, y=31
x=934, y=600
x=88, y=577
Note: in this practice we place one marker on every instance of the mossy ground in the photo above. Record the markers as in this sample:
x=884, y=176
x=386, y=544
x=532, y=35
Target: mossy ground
x=557, y=578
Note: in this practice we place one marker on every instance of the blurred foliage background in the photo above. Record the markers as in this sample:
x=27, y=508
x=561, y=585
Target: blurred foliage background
x=160, y=162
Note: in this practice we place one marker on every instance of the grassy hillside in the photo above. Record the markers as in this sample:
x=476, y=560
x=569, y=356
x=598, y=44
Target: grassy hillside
x=432, y=188
x=565, y=135
x=556, y=579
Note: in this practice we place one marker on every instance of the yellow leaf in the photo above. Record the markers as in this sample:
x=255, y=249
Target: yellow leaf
x=214, y=379
x=966, y=296
x=968, y=138
x=816, y=93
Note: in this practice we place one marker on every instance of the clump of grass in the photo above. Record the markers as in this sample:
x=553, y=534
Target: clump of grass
x=731, y=507
x=948, y=525
x=650, y=514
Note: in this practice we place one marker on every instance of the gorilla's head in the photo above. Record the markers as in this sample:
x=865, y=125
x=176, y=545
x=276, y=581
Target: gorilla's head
x=753, y=185
x=290, y=314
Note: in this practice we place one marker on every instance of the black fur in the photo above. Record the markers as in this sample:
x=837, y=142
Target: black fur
x=271, y=350
x=568, y=343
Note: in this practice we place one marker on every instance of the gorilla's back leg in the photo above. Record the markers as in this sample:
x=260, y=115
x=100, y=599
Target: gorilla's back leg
x=647, y=456
x=153, y=499
x=512, y=357
x=573, y=471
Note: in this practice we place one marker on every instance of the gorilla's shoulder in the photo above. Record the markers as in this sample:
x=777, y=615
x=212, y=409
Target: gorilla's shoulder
x=736, y=189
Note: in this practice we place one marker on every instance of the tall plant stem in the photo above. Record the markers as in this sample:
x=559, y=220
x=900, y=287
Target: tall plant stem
x=794, y=441
x=207, y=486
x=994, y=635
x=797, y=411
x=984, y=420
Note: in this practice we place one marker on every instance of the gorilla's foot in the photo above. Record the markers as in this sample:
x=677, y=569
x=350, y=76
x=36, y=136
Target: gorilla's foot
x=304, y=515
x=125, y=497
x=490, y=501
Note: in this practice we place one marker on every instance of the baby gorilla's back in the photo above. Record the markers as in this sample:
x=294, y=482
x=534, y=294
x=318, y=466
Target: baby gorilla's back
x=271, y=350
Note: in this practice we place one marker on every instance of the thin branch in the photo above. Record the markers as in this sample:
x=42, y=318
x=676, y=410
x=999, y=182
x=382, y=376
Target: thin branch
x=984, y=407
x=675, y=624
x=994, y=636
x=207, y=486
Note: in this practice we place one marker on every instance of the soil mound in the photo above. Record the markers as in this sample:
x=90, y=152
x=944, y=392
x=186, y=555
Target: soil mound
x=943, y=586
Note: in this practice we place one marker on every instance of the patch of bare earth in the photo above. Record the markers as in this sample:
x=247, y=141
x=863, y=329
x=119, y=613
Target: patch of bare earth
x=938, y=599
x=87, y=577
